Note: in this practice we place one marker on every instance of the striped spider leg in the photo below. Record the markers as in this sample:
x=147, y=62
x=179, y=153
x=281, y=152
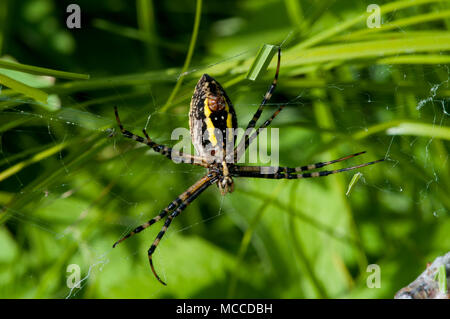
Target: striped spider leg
x=280, y=172
x=243, y=144
x=159, y=148
x=174, y=208
x=249, y=140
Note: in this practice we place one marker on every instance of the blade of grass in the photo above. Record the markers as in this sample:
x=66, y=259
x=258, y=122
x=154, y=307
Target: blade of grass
x=32, y=191
x=108, y=99
x=295, y=13
x=442, y=278
x=396, y=127
x=146, y=21
x=134, y=34
x=353, y=182
x=133, y=79
x=387, y=35
x=398, y=24
x=187, y=62
x=261, y=62
x=3, y=19
x=13, y=123
x=420, y=129
x=416, y=59
x=26, y=152
x=368, y=49
x=53, y=102
x=326, y=34
x=20, y=87
x=406, y=127
x=42, y=71
x=8, y=104
x=34, y=159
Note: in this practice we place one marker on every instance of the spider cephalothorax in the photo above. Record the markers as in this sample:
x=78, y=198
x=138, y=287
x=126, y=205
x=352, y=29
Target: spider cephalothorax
x=224, y=179
x=212, y=119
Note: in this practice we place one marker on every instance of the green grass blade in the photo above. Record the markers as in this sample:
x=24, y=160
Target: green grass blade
x=262, y=60
x=420, y=129
x=295, y=13
x=3, y=15
x=29, y=194
x=42, y=71
x=442, y=278
x=147, y=25
x=369, y=49
x=353, y=182
x=20, y=87
x=417, y=59
x=134, y=34
x=187, y=62
x=36, y=158
x=398, y=24
x=327, y=34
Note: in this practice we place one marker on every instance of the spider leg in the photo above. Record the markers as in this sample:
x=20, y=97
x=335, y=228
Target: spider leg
x=161, y=215
x=174, y=204
x=270, y=119
x=283, y=172
x=289, y=170
x=201, y=185
x=267, y=96
x=159, y=148
x=243, y=144
x=238, y=152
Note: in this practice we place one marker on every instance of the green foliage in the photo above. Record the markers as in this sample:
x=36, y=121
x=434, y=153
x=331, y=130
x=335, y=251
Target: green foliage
x=71, y=185
x=261, y=62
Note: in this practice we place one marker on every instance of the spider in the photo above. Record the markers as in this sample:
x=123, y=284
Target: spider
x=211, y=118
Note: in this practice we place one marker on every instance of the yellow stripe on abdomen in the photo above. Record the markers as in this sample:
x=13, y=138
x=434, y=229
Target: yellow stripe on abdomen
x=228, y=122
x=209, y=124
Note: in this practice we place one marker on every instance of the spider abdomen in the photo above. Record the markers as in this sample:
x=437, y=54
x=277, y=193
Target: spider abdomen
x=211, y=118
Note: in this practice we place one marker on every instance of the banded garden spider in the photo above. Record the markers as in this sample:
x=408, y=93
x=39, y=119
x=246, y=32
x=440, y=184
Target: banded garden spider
x=211, y=117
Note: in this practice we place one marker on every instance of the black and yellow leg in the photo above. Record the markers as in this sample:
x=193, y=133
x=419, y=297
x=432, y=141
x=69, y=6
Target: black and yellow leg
x=173, y=205
x=290, y=170
x=243, y=144
x=160, y=216
x=248, y=141
x=267, y=96
x=286, y=172
x=162, y=149
x=199, y=189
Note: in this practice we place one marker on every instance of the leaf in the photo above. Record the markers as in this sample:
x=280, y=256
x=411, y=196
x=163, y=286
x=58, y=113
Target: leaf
x=20, y=87
x=36, y=158
x=440, y=41
x=262, y=60
x=42, y=71
x=353, y=182
x=420, y=129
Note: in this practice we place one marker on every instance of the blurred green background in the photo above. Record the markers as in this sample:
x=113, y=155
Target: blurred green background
x=70, y=185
